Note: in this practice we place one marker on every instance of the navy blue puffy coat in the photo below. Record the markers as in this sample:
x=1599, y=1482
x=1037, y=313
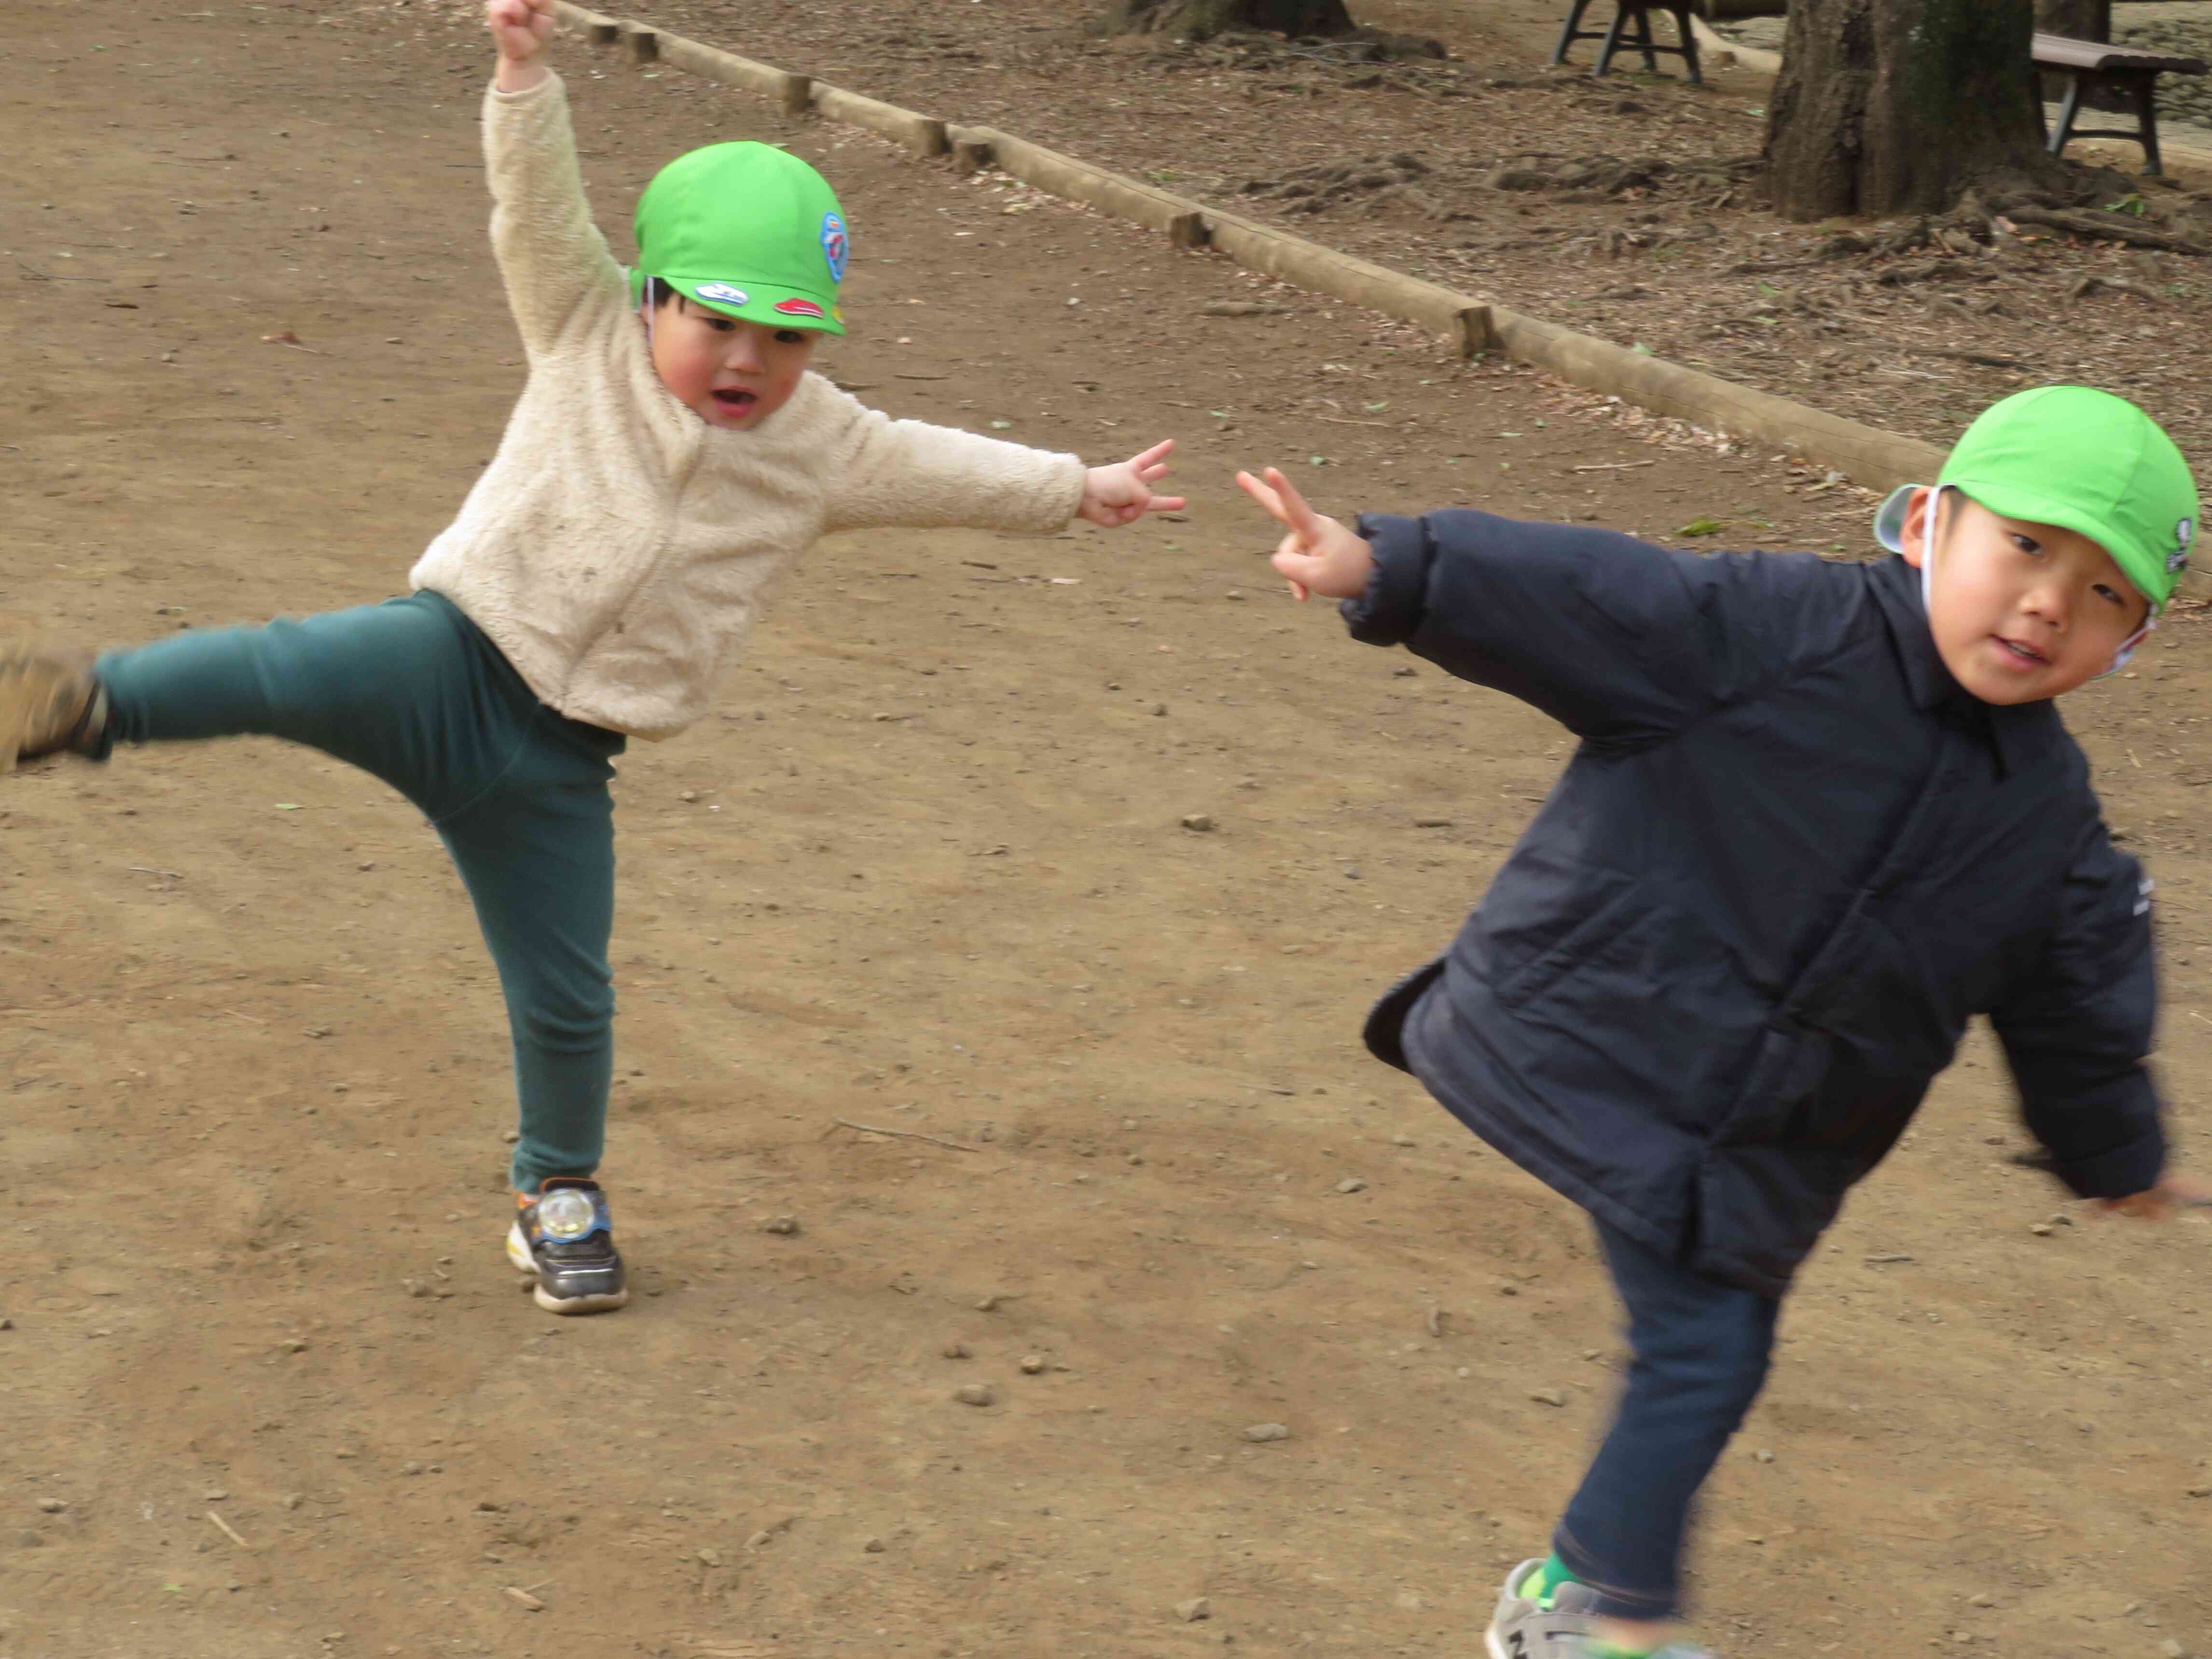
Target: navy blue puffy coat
x=1790, y=859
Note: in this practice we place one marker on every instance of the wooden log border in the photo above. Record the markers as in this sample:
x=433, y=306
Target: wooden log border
x=1869, y=456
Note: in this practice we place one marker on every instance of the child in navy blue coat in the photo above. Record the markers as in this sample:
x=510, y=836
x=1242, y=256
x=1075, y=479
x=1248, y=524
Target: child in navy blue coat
x=1820, y=815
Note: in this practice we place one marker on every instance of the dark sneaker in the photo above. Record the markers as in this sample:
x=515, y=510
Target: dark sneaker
x=50, y=700
x=564, y=1238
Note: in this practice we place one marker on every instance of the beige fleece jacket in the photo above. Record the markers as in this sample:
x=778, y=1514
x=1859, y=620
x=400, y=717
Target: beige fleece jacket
x=616, y=547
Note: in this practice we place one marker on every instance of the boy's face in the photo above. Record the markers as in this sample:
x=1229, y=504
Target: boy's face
x=729, y=374
x=2020, y=612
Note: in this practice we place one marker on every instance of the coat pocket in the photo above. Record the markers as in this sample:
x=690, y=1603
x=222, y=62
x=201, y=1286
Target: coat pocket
x=1583, y=945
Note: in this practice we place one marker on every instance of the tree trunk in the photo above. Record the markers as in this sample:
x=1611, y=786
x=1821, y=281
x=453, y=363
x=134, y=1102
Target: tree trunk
x=2085, y=20
x=1891, y=107
x=1200, y=20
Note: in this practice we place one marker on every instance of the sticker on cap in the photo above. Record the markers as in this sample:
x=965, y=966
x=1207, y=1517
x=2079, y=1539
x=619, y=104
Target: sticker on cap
x=833, y=246
x=798, y=309
x=2184, y=533
x=722, y=293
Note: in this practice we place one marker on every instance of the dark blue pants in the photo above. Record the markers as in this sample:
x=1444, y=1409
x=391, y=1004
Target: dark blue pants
x=413, y=692
x=1701, y=1351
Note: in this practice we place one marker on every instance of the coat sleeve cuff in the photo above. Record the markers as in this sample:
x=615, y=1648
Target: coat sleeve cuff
x=2120, y=1173
x=1389, y=612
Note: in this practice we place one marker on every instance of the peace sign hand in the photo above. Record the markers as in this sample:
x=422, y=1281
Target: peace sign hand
x=1319, y=554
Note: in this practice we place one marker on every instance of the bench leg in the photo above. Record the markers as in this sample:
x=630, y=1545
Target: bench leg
x=1572, y=32
x=1613, y=37
x=1644, y=40
x=2070, y=107
x=2147, y=113
x=1689, y=45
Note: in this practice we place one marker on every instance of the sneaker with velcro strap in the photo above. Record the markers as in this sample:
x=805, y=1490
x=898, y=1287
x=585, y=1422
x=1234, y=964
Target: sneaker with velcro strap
x=564, y=1236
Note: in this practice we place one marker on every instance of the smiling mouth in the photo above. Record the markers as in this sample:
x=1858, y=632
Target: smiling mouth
x=2026, y=655
x=735, y=400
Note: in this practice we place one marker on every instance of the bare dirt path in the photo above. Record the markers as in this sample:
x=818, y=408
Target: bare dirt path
x=925, y=870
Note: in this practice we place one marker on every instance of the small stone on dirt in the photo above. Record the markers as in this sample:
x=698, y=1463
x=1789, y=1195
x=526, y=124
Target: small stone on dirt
x=958, y=1351
x=1194, y=1609
x=1547, y=1396
x=1352, y=1184
x=873, y=1546
x=1032, y=1364
x=974, y=1394
x=1259, y=1433
x=2042, y=1230
x=51, y=1505
x=1200, y=822
x=783, y=1224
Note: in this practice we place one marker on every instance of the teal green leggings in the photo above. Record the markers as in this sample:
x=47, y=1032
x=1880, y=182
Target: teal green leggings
x=413, y=692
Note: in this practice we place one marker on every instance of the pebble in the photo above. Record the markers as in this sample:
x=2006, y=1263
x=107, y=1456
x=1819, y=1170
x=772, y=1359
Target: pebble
x=759, y=1539
x=290, y=1500
x=295, y=1345
x=1032, y=1364
x=873, y=1546
x=1352, y=1184
x=7, y=1324
x=410, y=1466
x=1763, y=1455
x=974, y=1394
x=688, y=794
x=784, y=1225
x=711, y=1558
x=1403, y=1140
x=510, y=1136
x=1547, y=1396
x=1200, y=822
x=1432, y=823
x=956, y=1350
x=215, y=1495
x=1981, y=1599
x=1194, y=1609
x=1261, y=1433
x=2042, y=1230
x=52, y=1505
x=2172, y=1649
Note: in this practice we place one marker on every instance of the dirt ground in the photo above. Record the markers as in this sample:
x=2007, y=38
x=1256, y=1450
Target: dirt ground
x=274, y=1392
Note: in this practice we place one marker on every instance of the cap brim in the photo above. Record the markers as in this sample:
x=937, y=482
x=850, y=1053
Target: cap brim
x=764, y=303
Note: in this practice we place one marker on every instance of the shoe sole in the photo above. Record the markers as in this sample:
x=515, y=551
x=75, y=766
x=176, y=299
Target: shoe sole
x=31, y=680
x=518, y=1253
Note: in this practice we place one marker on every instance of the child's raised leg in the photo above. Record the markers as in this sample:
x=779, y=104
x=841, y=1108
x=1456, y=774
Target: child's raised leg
x=413, y=693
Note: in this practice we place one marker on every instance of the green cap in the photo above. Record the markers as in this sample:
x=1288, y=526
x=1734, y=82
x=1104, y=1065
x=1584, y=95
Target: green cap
x=748, y=230
x=2083, y=459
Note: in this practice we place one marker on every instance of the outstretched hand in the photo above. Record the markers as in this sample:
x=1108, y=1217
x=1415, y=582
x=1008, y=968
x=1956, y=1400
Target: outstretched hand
x=1122, y=494
x=519, y=29
x=1319, y=554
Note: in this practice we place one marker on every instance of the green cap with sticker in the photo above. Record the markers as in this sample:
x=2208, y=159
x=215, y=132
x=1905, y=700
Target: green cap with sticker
x=748, y=230
x=2072, y=456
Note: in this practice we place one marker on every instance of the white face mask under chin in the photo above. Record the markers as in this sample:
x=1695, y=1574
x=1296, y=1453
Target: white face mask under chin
x=2127, y=647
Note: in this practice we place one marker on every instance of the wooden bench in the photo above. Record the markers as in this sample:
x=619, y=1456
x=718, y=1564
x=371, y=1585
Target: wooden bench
x=1637, y=38
x=2130, y=72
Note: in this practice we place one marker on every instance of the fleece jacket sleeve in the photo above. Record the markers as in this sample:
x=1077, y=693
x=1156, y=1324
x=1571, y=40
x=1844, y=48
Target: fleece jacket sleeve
x=555, y=264
x=2076, y=1028
x=924, y=476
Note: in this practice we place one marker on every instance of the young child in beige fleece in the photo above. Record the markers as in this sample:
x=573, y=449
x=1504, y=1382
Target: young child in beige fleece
x=671, y=452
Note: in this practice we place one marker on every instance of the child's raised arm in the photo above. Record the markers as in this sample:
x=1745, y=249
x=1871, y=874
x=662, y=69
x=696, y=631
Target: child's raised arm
x=551, y=256
x=519, y=29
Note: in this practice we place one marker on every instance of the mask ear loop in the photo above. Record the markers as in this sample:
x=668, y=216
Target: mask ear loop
x=1928, y=550
x=2128, y=647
